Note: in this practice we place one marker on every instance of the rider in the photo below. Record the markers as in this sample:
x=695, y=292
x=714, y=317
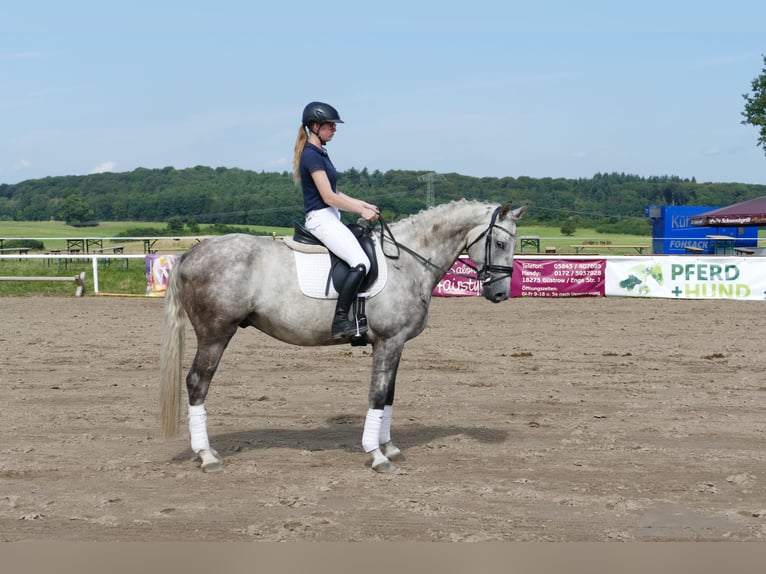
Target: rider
x=322, y=204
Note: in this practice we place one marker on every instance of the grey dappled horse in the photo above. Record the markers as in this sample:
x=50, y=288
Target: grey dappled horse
x=237, y=280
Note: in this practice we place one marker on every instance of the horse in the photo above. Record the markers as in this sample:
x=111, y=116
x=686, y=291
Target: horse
x=235, y=281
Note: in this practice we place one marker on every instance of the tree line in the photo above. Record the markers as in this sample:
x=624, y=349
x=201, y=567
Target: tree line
x=240, y=197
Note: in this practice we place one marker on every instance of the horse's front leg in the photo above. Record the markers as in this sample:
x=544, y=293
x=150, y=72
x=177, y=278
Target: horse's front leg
x=376, y=437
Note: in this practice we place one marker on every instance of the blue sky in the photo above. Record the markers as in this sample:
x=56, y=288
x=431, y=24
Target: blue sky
x=483, y=88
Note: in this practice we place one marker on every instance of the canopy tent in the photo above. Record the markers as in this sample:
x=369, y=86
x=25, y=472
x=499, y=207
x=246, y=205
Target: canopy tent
x=744, y=214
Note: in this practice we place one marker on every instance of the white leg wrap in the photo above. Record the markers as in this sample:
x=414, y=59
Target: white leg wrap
x=371, y=434
x=385, y=426
x=198, y=428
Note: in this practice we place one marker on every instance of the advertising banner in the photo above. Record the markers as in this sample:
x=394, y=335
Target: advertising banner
x=673, y=277
x=687, y=277
x=157, y=272
x=558, y=277
x=460, y=281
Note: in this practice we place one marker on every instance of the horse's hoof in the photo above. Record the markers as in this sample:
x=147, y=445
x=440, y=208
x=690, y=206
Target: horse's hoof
x=211, y=461
x=384, y=467
x=379, y=462
x=392, y=452
x=212, y=466
x=397, y=457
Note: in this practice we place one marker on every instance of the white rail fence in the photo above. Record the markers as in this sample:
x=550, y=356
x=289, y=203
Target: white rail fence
x=93, y=257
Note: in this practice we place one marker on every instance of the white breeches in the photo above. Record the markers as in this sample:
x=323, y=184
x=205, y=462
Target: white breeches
x=327, y=226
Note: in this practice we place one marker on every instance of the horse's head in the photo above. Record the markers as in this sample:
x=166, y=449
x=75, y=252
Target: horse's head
x=492, y=248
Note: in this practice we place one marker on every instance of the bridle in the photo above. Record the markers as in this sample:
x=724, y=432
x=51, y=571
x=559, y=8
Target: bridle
x=484, y=273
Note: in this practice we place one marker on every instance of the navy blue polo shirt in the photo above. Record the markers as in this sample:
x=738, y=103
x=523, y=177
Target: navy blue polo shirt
x=315, y=158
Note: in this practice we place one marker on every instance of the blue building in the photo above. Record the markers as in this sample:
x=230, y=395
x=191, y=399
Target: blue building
x=673, y=233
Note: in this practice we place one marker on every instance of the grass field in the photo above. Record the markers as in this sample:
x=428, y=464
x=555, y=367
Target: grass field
x=45, y=230
x=53, y=234
x=552, y=237
x=120, y=276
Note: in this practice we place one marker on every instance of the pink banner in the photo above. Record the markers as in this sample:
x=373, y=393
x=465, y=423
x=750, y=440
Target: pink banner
x=558, y=277
x=460, y=281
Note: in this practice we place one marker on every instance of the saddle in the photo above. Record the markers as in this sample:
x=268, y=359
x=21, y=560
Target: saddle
x=339, y=268
x=304, y=240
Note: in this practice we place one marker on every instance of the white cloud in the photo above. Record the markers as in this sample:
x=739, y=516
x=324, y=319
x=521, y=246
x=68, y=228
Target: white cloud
x=104, y=167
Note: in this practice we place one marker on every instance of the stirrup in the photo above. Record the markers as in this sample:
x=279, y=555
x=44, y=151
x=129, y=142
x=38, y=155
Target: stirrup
x=355, y=327
x=359, y=338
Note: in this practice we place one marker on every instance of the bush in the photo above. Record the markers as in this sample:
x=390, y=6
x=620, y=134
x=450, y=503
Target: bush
x=175, y=225
x=142, y=232
x=29, y=243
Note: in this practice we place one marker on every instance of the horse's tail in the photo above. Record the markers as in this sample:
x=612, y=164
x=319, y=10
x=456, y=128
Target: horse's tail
x=171, y=352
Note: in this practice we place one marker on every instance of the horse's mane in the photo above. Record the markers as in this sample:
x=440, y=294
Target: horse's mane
x=437, y=212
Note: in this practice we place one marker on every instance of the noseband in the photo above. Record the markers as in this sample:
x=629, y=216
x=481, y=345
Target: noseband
x=487, y=270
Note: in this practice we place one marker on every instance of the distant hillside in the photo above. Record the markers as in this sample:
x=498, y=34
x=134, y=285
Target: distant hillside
x=235, y=196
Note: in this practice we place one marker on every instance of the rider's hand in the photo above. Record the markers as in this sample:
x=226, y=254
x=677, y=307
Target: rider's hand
x=370, y=212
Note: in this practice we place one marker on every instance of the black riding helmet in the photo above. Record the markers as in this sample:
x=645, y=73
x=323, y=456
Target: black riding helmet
x=321, y=113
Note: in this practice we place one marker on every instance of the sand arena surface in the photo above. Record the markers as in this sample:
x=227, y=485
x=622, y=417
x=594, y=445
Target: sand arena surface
x=564, y=420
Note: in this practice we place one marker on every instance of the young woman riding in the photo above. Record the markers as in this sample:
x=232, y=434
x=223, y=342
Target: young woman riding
x=322, y=204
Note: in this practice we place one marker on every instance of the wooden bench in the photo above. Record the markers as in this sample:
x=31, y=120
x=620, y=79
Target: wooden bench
x=744, y=250
x=59, y=261
x=79, y=281
x=529, y=241
x=19, y=250
x=113, y=249
x=692, y=249
x=608, y=246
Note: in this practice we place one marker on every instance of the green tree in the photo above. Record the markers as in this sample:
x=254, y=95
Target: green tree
x=755, y=106
x=175, y=225
x=75, y=209
x=568, y=227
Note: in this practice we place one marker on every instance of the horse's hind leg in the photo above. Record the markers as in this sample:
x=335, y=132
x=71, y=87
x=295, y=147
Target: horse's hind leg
x=198, y=380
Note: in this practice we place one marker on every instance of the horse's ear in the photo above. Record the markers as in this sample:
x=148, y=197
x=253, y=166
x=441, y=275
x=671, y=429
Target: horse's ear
x=505, y=209
x=517, y=212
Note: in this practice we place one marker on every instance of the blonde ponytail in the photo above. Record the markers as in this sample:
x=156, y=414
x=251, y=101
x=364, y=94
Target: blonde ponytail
x=300, y=143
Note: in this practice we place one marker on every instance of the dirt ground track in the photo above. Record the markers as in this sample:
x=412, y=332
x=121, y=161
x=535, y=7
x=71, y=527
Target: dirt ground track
x=531, y=420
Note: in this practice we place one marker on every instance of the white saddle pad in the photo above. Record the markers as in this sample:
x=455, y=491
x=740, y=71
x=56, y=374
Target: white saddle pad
x=313, y=269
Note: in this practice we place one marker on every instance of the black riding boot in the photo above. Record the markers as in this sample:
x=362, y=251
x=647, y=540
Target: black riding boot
x=342, y=325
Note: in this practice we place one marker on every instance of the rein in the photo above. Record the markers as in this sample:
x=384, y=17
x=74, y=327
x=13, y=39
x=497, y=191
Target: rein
x=484, y=274
x=387, y=235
